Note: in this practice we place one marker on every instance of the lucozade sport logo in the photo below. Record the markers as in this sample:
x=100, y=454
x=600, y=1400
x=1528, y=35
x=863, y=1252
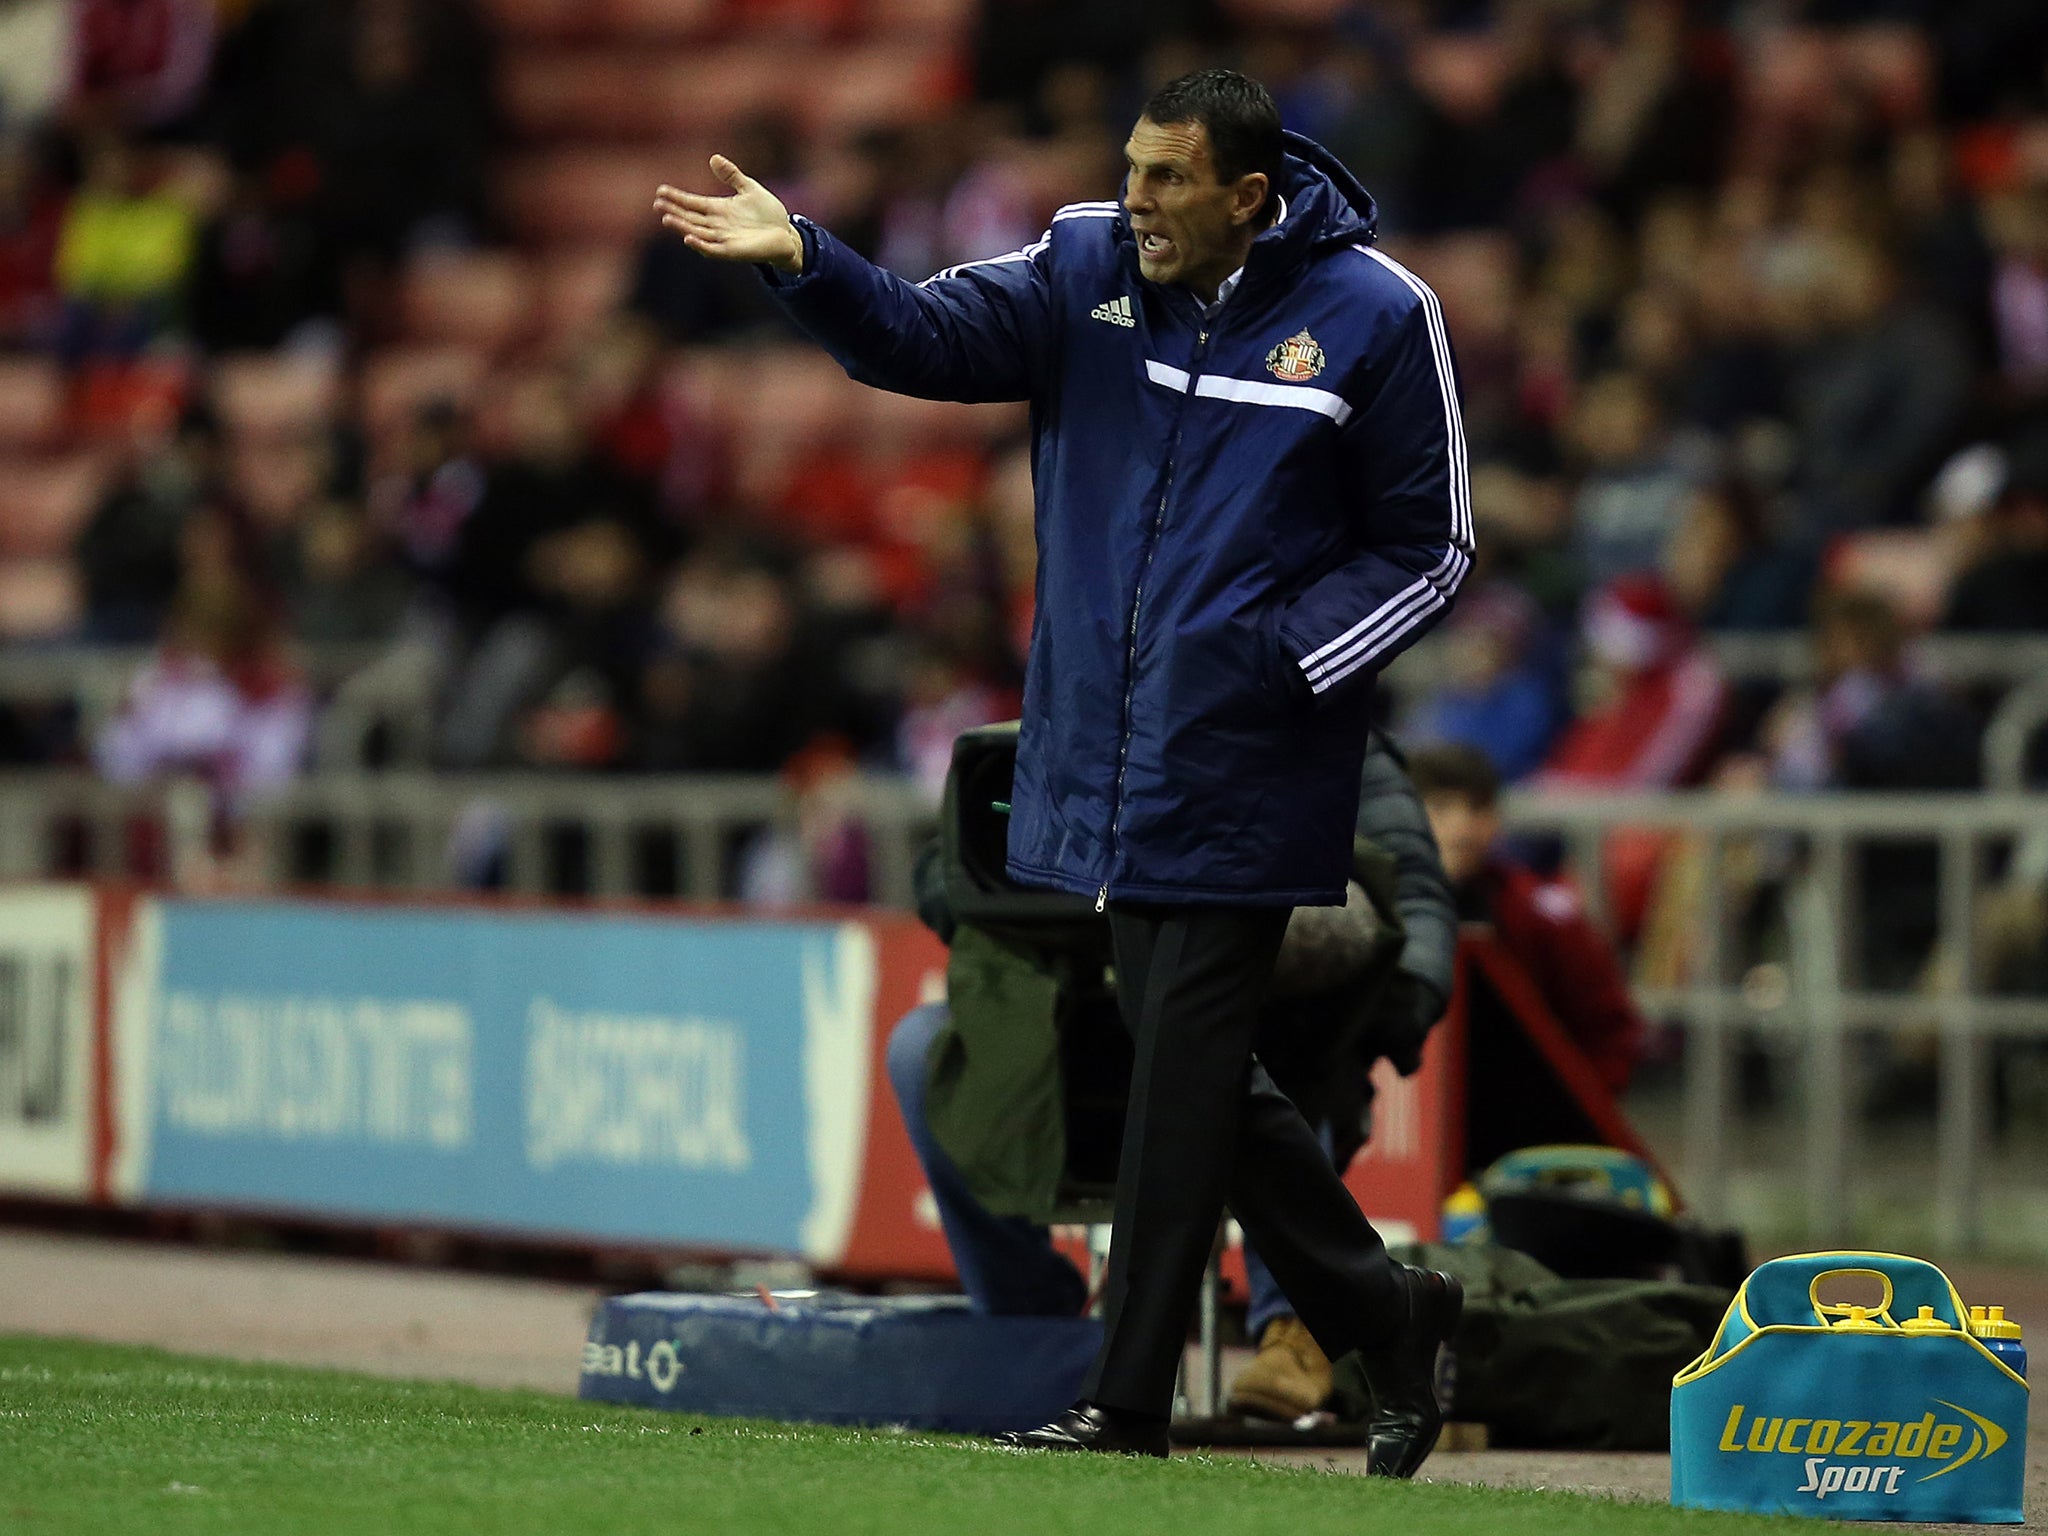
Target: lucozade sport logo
x=1839, y=1454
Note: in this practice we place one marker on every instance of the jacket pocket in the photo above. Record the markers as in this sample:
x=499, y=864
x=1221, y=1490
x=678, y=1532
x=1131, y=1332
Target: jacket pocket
x=1285, y=683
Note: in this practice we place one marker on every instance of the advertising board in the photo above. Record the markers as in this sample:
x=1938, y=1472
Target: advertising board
x=47, y=936
x=628, y=1078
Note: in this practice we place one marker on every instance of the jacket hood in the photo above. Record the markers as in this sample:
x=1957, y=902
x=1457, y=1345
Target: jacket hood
x=1326, y=207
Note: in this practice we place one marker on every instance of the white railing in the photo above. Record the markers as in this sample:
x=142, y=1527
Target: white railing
x=1822, y=1007
x=400, y=831
x=390, y=691
x=394, y=832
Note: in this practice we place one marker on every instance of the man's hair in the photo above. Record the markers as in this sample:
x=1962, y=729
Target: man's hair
x=1243, y=123
x=1456, y=770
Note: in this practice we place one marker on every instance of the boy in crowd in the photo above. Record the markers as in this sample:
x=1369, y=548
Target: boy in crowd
x=1541, y=922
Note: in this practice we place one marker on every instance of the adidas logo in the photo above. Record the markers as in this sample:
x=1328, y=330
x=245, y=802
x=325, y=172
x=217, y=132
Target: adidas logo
x=1116, y=312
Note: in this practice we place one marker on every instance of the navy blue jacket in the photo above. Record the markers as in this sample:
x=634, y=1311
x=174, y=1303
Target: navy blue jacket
x=1242, y=517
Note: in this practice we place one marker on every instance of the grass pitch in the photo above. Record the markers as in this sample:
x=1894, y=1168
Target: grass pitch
x=98, y=1438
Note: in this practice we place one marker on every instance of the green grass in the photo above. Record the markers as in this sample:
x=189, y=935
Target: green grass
x=98, y=1438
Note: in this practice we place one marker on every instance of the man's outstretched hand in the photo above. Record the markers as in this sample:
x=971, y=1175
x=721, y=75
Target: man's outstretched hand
x=749, y=225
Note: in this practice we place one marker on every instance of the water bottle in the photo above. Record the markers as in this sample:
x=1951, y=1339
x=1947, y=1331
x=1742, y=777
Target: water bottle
x=1464, y=1216
x=2001, y=1335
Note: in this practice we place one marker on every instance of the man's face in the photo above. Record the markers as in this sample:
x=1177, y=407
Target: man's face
x=1192, y=227
x=1464, y=831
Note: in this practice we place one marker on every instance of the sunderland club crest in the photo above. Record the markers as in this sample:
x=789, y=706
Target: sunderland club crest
x=1297, y=359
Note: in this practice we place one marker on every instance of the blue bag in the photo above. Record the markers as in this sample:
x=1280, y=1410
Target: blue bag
x=926, y=1362
x=1804, y=1407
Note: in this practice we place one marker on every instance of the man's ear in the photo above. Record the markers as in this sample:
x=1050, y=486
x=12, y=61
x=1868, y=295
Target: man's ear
x=1249, y=196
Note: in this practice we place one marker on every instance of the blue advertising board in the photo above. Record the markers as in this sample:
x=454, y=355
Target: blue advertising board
x=616, y=1078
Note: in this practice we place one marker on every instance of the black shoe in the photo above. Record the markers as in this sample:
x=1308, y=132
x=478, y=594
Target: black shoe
x=1085, y=1427
x=1406, y=1417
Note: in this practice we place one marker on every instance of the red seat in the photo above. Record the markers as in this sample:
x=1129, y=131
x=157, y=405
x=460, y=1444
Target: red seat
x=928, y=19
x=552, y=20
x=469, y=298
x=779, y=406
x=31, y=403
x=705, y=93
x=702, y=380
x=552, y=95
x=876, y=83
x=265, y=396
x=45, y=502
x=623, y=19
x=125, y=400
x=584, y=196
x=39, y=599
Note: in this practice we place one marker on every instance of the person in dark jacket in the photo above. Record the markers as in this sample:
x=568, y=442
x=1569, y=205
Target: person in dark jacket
x=1251, y=496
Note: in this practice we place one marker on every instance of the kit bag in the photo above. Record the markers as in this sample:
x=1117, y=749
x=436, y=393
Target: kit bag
x=1812, y=1406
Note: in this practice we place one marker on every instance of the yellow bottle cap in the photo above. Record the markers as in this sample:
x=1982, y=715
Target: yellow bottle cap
x=1858, y=1321
x=1926, y=1322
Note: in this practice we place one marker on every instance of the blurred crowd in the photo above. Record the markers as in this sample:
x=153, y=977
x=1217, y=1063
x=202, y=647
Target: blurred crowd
x=1750, y=300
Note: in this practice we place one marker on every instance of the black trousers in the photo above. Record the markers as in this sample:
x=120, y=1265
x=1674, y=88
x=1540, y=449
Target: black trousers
x=1206, y=1127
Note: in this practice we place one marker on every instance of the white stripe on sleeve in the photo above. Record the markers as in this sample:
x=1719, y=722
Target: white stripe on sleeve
x=1454, y=422
x=1421, y=600
x=1029, y=251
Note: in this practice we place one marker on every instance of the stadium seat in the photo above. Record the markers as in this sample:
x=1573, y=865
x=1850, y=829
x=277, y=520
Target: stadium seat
x=812, y=20
x=577, y=288
x=700, y=380
x=44, y=502
x=623, y=19
x=778, y=406
x=31, y=403
x=39, y=599
x=542, y=91
x=595, y=96
x=548, y=20
x=927, y=19
x=877, y=83
x=265, y=396
x=706, y=94
x=119, y=400
x=480, y=299
x=397, y=383
x=581, y=196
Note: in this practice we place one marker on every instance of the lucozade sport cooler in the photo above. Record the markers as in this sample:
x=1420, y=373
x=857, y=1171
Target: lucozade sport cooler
x=1894, y=1412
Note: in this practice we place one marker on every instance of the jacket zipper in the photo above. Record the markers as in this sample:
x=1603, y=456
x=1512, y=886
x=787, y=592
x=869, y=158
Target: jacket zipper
x=1123, y=756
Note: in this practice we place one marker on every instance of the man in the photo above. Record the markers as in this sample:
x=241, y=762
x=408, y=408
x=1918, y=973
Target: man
x=1249, y=472
x=1353, y=984
x=1542, y=923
